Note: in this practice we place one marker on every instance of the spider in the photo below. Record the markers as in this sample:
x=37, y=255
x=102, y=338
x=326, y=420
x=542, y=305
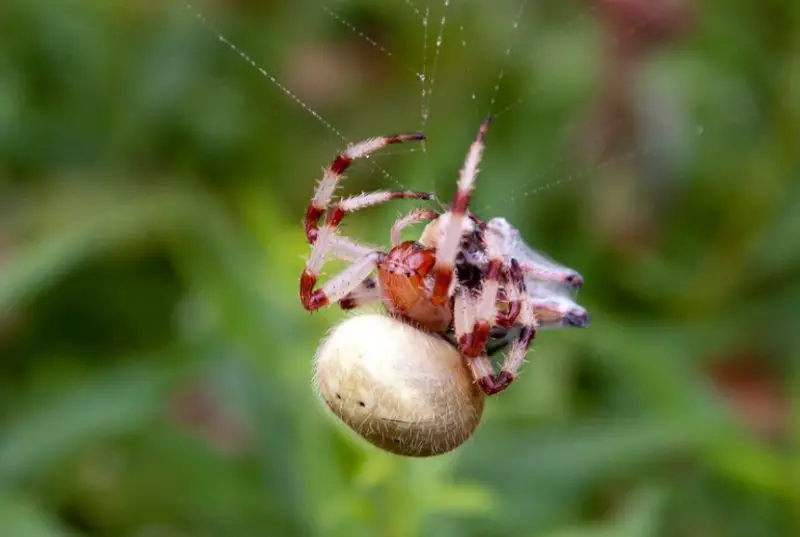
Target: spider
x=473, y=282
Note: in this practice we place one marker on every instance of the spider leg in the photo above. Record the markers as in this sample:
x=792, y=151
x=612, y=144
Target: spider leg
x=365, y=293
x=513, y=291
x=473, y=342
x=549, y=273
x=447, y=249
x=464, y=315
x=415, y=216
x=472, y=313
x=557, y=310
x=332, y=174
x=348, y=249
x=519, y=348
x=340, y=285
x=509, y=370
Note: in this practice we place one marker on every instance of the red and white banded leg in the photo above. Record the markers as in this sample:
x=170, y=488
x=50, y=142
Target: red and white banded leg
x=447, y=249
x=513, y=290
x=558, y=310
x=346, y=249
x=413, y=217
x=341, y=284
x=473, y=342
x=332, y=174
x=366, y=293
x=552, y=273
x=519, y=348
x=464, y=316
x=350, y=250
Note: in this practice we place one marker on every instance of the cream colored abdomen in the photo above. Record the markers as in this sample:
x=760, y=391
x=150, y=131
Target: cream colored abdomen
x=402, y=389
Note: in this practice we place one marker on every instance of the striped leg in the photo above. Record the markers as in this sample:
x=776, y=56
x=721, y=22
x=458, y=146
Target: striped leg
x=552, y=273
x=331, y=176
x=473, y=342
x=516, y=356
x=347, y=249
x=558, y=310
x=350, y=250
x=513, y=292
x=519, y=348
x=327, y=243
x=474, y=317
x=447, y=250
x=414, y=217
x=340, y=285
x=466, y=309
x=365, y=293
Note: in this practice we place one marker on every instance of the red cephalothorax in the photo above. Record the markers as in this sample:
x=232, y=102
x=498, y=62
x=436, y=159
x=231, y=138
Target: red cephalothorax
x=464, y=276
x=405, y=281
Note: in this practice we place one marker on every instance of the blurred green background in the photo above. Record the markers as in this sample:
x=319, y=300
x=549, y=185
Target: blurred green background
x=155, y=361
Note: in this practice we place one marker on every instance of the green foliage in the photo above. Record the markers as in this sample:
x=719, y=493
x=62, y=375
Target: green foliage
x=155, y=360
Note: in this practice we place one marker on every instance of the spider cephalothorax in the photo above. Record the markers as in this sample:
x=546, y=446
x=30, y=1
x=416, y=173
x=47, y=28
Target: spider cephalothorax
x=463, y=275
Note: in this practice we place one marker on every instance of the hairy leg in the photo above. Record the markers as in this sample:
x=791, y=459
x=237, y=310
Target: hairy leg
x=366, y=293
x=552, y=273
x=511, y=295
x=414, y=217
x=347, y=249
x=447, y=250
x=333, y=173
x=473, y=342
x=466, y=308
x=519, y=348
x=340, y=285
x=559, y=310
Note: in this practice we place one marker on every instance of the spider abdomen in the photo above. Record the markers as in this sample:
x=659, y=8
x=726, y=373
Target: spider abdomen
x=407, y=391
x=404, y=276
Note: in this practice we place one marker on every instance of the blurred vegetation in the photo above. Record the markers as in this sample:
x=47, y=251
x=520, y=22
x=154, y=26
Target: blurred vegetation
x=155, y=358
